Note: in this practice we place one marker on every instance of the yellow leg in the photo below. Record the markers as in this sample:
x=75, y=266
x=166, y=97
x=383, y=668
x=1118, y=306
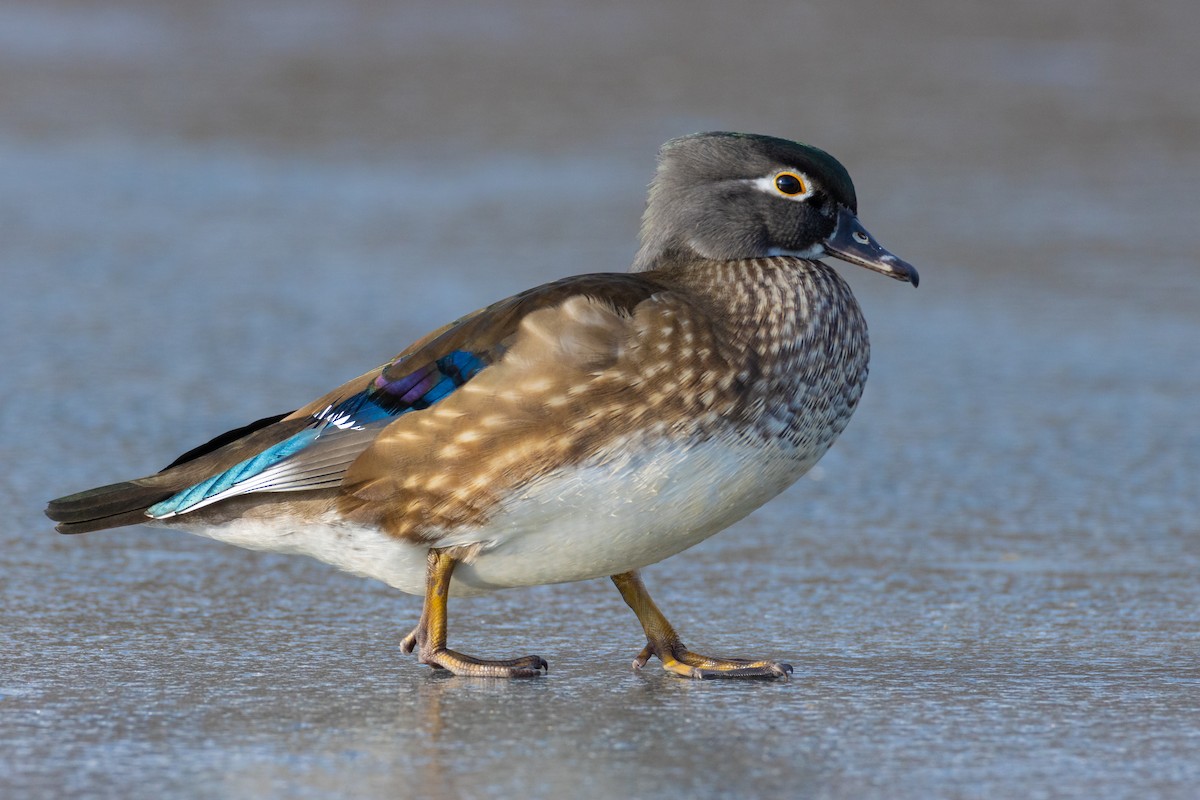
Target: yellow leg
x=662, y=641
x=429, y=637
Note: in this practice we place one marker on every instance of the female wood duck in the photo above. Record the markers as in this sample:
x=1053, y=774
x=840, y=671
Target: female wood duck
x=588, y=427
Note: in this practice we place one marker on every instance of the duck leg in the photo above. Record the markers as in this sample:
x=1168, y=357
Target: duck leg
x=662, y=641
x=429, y=637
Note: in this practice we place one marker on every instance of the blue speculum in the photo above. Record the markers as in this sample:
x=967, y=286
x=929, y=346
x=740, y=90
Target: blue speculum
x=386, y=399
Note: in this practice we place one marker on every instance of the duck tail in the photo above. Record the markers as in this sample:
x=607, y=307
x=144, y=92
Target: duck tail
x=125, y=503
x=109, y=506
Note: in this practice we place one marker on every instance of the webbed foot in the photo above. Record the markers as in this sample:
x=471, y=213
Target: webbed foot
x=429, y=637
x=664, y=643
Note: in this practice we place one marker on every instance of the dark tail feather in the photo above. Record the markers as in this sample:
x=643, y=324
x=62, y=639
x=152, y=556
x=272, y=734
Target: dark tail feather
x=125, y=503
x=105, y=507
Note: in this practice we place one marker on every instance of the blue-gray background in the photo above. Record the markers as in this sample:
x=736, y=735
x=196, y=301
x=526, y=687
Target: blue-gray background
x=214, y=211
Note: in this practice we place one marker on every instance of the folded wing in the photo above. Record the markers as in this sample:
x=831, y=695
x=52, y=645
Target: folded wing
x=314, y=446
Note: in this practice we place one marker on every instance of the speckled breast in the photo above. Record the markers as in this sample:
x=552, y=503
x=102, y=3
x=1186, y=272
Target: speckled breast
x=800, y=335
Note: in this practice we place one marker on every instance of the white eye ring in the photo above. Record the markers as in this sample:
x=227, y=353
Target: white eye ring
x=767, y=184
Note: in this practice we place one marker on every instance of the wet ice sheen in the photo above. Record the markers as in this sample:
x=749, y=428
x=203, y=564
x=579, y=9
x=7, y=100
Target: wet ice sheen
x=989, y=592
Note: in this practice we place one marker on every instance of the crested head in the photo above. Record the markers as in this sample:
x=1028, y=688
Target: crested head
x=723, y=155
x=727, y=196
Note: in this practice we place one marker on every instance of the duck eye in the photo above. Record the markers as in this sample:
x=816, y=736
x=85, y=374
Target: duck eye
x=789, y=183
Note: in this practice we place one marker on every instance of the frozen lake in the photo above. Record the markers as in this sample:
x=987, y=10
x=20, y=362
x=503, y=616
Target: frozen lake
x=989, y=588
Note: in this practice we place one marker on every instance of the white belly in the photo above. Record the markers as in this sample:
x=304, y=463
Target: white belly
x=607, y=516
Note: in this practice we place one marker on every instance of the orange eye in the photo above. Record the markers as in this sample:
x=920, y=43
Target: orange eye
x=789, y=183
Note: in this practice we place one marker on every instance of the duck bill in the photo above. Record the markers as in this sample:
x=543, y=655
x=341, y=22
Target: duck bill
x=851, y=242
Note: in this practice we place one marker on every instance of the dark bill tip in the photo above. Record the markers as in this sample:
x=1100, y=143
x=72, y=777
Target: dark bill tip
x=851, y=242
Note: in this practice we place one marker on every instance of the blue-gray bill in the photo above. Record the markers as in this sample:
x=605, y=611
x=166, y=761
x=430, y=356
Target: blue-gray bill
x=851, y=242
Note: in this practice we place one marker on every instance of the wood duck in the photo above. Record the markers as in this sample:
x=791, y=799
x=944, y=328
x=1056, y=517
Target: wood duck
x=585, y=428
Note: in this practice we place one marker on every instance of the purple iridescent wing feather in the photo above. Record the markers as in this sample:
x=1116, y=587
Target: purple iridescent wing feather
x=318, y=456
